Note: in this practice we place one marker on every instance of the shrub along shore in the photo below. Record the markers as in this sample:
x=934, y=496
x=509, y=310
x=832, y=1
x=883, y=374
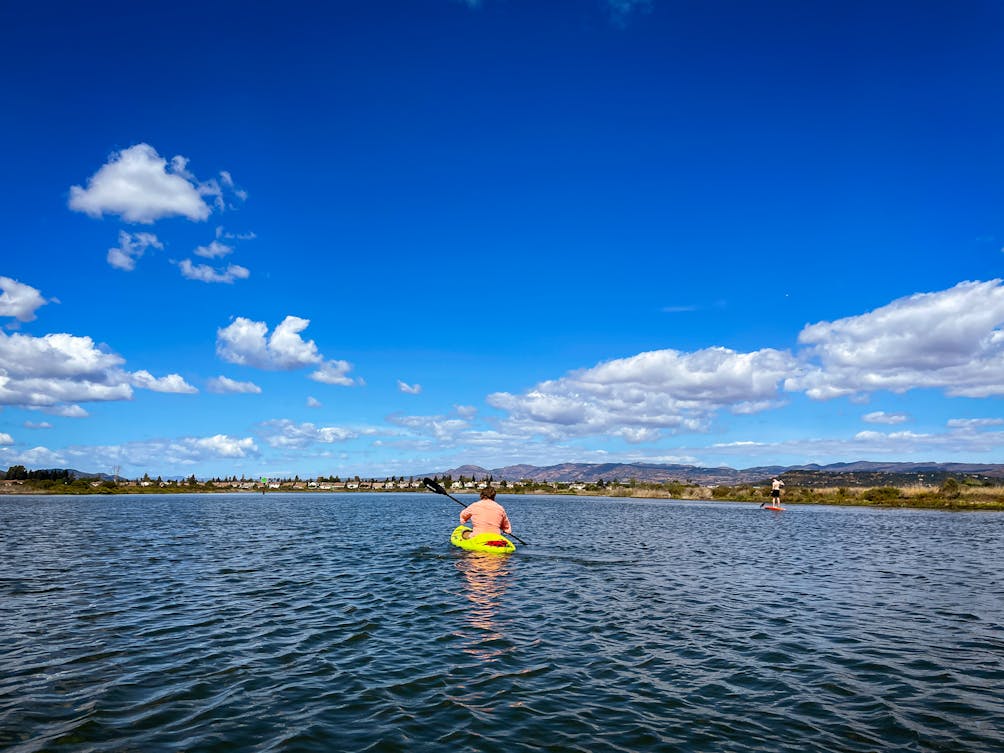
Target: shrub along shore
x=951, y=494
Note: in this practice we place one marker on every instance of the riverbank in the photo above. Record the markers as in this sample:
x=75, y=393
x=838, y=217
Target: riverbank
x=950, y=496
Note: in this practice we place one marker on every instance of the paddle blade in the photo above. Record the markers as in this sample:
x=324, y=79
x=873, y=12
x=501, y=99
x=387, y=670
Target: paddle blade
x=434, y=486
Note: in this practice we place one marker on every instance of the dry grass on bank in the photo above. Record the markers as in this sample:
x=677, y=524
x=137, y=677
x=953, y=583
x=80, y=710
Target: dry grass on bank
x=952, y=497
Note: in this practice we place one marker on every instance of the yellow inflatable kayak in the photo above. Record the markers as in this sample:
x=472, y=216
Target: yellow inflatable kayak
x=484, y=542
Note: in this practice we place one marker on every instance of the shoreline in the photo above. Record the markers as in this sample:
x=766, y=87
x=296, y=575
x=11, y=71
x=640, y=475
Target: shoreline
x=904, y=500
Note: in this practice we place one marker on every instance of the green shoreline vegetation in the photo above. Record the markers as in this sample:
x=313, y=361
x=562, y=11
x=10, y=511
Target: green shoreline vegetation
x=965, y=493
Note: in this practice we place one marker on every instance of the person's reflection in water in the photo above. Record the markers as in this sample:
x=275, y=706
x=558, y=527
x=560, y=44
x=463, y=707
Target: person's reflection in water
x=486, y=576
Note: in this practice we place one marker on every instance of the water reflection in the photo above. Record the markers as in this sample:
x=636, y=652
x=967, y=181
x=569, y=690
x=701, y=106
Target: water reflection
x=486, y=577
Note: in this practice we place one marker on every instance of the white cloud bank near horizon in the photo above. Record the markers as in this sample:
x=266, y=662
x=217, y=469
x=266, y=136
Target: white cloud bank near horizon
x=640, y=397
x=949, y=340
x=151, y=455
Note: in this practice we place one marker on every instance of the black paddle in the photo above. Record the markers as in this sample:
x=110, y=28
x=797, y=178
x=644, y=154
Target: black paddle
x=438, y=489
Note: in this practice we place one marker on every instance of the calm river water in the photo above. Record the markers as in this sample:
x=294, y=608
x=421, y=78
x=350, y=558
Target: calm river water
x=348, y=623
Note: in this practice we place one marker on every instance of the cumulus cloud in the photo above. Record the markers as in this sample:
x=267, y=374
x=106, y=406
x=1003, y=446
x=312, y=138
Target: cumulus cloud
x=137, y=184
x=215, y=250
x=6, y=439
x=640, y=397
x=313, y=402
x=409, y=389
x=171, y=383
x=224, y=385
x=335, y=372
x=949, y=340
x=55, y=355
x=219, y=446
x=58, y=370
x=881, y=417
x=37, y=425
x=283, y=433
x=19, y=300
x=247, y=343
x=205, y=273
x=131, y=247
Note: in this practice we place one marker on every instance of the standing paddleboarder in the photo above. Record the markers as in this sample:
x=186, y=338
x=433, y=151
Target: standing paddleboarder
x=775, y=493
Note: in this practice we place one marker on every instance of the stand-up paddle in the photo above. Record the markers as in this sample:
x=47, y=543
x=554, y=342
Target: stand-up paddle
x=436, y=487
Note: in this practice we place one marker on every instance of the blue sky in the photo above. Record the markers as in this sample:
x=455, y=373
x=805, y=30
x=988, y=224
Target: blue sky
x=388, y=238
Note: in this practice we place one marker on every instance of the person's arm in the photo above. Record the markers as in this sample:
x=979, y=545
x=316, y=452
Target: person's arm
x=465, y=515
x=506, y=526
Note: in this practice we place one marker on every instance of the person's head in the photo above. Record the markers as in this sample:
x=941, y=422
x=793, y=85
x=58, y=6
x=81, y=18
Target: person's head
x=487, y=493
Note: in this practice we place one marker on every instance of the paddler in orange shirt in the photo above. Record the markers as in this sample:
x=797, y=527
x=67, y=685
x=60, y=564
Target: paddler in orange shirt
x=486, y=515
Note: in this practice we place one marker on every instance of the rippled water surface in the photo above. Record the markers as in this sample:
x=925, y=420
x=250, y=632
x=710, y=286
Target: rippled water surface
x=348, y=623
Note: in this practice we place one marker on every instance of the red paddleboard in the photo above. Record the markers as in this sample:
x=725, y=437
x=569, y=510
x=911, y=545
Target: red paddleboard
x=775, y=508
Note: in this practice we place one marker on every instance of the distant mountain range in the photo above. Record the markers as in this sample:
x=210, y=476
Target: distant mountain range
x=652, y=472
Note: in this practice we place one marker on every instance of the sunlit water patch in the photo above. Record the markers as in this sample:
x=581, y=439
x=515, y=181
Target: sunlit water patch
x=347, y=622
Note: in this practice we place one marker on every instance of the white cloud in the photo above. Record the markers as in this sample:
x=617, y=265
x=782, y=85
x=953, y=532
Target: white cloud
x=56, y=371
x=246, y=342
x=901, y=445
x=950, y=340
x=171, y=383
x=137, y=184
x=6, y=438
x=131, y=247
x=38, y=425
x=335, y=372
x=155, y=456
x=64, y=411
x=205, y=273
x=55, y=355
x=870, y=436
x=19, y=300
x=974, y=423
x=38, y=457
x=224, y=385
x=222, y=446
x=409, y=389
x=313, y=402
x=881, y=417
x=221, y=233
x=641, y=396
x=215, y=250
x=442, y=428
x=283, y=433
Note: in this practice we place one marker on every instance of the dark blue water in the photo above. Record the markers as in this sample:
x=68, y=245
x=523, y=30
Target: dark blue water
x=348, y=623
